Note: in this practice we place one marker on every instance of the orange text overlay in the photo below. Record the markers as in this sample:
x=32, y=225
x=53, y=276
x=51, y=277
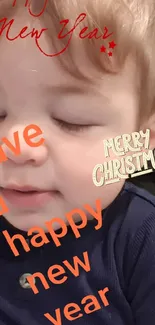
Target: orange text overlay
x=34, y=131
x=58, y=274
x=15, y=147
x=72, y=311
x=40, y=238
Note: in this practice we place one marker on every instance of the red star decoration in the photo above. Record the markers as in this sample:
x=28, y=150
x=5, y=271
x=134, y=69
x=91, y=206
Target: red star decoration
x=103, y=49
x=110, y=53
x=112, y=45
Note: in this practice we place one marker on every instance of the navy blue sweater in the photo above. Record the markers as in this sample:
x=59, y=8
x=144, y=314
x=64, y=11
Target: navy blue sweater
x=122, y=260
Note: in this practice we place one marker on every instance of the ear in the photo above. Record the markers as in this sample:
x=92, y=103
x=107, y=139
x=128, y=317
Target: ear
x=150, y=124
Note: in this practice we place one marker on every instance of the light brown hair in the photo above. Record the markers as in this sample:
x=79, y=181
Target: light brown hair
x=133, y=24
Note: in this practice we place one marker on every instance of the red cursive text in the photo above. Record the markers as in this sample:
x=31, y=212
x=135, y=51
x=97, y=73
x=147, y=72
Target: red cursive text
x=29, y=9
x=34, y=33
x=90, y=35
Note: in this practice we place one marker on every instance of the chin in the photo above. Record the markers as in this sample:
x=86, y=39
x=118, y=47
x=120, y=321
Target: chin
x=25, y=222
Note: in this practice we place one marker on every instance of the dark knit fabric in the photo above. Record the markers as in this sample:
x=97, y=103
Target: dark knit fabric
x=122, y=259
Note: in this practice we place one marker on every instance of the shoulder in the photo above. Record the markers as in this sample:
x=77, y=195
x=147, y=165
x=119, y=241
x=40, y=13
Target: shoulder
x=130, y=221
x=130, y=215
x=135, y=240
x=139, y=195
x=129, y=227
x=131, y=233
x=137, y=209
x=138, y=262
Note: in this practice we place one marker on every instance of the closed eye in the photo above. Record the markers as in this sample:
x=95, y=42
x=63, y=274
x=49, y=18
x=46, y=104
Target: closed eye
x=3, y=116
x=71, y=127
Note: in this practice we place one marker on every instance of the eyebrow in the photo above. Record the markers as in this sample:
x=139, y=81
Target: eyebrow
x=63, y=89
x=70, y=89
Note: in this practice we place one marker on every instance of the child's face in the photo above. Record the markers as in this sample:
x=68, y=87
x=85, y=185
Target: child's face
x=35, y=90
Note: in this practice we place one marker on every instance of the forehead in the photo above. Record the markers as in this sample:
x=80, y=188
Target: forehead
x=24, y=66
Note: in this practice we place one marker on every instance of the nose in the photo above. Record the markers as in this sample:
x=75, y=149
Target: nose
x=25, y=150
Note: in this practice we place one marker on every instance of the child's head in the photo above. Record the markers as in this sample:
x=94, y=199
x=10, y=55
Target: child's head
x=78, y=98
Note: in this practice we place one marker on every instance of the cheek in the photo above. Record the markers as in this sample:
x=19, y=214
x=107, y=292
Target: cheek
x=79, y=161
x=75, y=176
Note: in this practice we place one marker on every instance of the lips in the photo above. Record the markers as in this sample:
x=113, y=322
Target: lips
x=27, y=196
x=23, y=189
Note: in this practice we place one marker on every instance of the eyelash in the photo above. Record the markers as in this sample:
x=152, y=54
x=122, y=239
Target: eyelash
x=62, y=124
x=71, y=127
x=3, y=116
